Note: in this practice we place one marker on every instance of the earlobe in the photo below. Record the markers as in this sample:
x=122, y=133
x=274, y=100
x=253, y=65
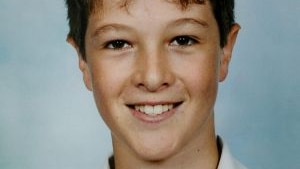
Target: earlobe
x=227, y=52
x=82, y=65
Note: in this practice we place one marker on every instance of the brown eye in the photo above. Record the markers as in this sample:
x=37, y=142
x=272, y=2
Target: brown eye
x=117, y=44
x=183, y=41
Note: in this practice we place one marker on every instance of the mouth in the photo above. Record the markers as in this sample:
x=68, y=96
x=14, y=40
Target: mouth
x=154, y=109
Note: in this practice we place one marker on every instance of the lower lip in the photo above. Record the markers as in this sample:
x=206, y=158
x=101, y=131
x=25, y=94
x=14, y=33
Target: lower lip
x=153, y=119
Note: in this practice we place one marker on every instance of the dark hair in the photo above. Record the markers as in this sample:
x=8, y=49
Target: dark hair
x=80, y=10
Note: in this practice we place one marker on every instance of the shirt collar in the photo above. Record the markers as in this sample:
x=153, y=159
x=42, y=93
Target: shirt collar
x=226, y=160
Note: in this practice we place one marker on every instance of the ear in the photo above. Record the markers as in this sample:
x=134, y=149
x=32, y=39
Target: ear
x=83, y=66
x=227, y=52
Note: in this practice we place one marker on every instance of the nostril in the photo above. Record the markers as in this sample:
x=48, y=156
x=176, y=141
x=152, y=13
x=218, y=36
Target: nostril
x=165, y=84
x=153, y=87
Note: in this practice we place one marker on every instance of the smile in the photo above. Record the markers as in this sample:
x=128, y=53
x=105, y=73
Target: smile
x=154, y=110
x=154, y=113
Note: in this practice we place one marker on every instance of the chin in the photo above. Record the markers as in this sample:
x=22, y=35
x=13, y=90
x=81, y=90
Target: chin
x=155, y=155
x=156, y=151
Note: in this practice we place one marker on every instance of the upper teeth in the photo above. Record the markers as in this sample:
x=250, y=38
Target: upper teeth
x=154, y=110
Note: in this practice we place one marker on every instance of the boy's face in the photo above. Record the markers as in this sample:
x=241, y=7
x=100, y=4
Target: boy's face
x=154, y=70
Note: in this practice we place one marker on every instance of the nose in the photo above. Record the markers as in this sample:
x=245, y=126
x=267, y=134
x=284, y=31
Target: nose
x=153, y=72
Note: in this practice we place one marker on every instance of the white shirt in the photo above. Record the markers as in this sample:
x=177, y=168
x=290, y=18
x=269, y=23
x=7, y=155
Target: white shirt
x=226, y=161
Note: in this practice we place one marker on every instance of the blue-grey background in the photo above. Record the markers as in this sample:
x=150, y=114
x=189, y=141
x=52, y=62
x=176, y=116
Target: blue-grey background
x=48, y=119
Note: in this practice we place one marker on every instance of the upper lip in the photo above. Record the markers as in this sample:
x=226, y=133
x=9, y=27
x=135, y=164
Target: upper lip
x=154, y=103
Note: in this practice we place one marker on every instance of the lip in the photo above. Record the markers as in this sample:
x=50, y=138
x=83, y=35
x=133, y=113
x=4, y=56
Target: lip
x=154, y=119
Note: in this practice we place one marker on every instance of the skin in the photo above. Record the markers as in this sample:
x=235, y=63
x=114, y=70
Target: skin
x=154, y=53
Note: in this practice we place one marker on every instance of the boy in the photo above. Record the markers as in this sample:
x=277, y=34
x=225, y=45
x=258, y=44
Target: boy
x=154, y=68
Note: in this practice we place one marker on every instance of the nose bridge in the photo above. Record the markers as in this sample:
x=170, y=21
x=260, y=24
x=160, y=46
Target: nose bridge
x=153, y=73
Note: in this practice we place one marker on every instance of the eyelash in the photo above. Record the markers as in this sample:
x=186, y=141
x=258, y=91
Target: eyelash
x=181, y=41
x=117, y=44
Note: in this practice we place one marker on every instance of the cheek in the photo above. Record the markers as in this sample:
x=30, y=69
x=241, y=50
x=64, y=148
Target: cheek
x=200, y=73
x=203, y=87
x=200, y=77
x=109, y=80
x=106, y=85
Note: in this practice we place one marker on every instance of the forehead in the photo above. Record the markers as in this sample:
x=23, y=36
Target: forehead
x=96, y=6
x=104, y=9
x=122, y=10
x=130, y=12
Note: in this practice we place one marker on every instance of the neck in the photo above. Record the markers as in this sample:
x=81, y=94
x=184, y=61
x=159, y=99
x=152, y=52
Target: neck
x=200, y=152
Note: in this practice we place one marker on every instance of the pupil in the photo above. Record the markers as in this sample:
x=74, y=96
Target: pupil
x=118, y=44
x=183, y=40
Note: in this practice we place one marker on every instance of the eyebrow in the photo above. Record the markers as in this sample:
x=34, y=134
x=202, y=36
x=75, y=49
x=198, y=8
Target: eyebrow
x=183, y=21
x=109, y=27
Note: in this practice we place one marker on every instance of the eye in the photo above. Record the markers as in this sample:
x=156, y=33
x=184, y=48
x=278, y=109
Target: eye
x=183, y=41
x=117, y=44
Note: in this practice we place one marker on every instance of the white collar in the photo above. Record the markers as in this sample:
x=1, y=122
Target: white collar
x=227, y=161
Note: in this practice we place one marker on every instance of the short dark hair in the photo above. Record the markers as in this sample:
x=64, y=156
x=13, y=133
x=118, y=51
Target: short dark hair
x=80, y=10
